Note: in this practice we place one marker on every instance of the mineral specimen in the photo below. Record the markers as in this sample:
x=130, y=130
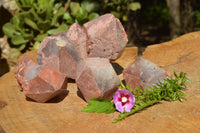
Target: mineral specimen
x=96, y=78
x=60, y=53
x=107, y=38
x=39, y=82
x=81, y=53
x=26, y=64
x=143, y=74
x=78, y=36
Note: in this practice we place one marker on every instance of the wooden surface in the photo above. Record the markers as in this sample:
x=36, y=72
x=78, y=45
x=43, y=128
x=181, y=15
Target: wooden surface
x=63, y=113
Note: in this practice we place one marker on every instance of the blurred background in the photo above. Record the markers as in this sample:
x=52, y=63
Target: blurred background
x=25, y=23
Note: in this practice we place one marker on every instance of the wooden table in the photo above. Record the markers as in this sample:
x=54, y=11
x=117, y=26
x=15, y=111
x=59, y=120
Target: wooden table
x=63, y=113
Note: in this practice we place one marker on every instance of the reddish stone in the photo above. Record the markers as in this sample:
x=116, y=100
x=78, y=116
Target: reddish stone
x=107, y=37
x=54, y=59
x=60, y=53
x=39, y=82
x=96, y=78
x=78, y=36
x=144, y=74
x=20, y=70
x=48, y=83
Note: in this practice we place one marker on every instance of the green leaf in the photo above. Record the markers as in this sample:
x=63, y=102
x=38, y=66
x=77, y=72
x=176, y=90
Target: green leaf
x=68, y=17
x=18, y=40
x=117, y=14
x=125, y=18
x=36, y=45
x=61, y=28
x=27, y=2
x=49, y=13
x=51, y=3
x=90, y=5
x=43, y=3
x=31, y=23
x=50, y=9
x=40, y=37
x=9, y=30
x=41, y=13
x=15, y=21
x=27, y=36
x=182, y=75
x=25, y=14
x=44, y=25
x=58, y=14
x=22, y=47
x=26, y=7
x=81, y=15
x=99, y=106
x=34, y=13
x=134, y=6
x=111, y=110
x=175, y=74
x=93, y=16
x=74, y=7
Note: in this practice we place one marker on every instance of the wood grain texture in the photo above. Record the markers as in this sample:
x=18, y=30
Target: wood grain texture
x=63, y=114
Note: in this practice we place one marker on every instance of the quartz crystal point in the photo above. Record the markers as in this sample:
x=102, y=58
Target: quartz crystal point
x=143, y=74
x=39, y=82
x=97, y=78
x=107, y=37
x=61, y=53
x=78, y=36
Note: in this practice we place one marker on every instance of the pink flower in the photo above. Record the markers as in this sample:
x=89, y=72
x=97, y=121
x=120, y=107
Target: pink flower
x=123, y=100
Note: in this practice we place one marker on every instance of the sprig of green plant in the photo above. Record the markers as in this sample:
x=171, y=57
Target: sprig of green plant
x=171, y=89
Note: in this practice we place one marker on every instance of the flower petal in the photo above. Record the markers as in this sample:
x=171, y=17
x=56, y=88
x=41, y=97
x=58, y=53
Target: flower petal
x=116, y=96
x=128, y=107
x=120, y=106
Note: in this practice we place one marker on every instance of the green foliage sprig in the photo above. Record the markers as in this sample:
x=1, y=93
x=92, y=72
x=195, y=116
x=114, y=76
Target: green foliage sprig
x=171, y=89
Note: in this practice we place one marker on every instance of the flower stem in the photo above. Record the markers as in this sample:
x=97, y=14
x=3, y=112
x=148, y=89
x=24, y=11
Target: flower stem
x=135, y=110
